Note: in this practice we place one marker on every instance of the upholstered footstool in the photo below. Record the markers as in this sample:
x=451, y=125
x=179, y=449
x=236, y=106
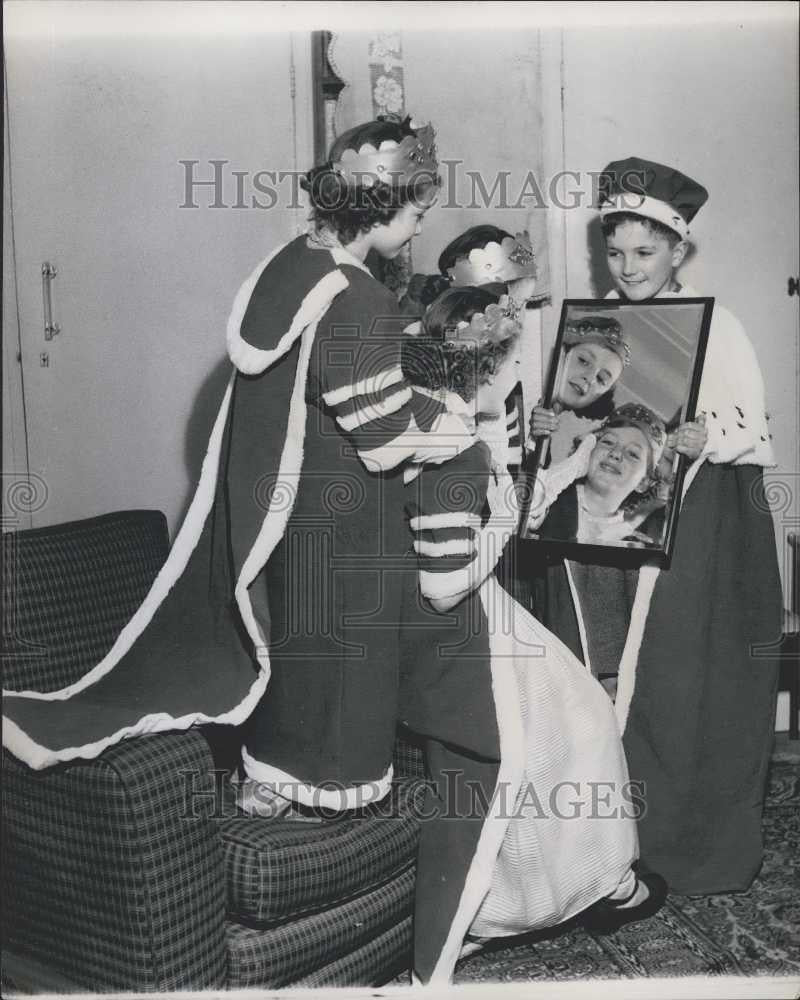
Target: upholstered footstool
x=321, y=901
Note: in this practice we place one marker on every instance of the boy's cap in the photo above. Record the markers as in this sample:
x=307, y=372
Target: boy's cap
x=651, y=190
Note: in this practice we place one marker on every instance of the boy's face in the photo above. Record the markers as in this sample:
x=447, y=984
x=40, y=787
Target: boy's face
x=590, y=370
x=641, y=263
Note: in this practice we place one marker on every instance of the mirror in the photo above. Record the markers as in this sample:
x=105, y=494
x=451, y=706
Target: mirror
x=623, y=377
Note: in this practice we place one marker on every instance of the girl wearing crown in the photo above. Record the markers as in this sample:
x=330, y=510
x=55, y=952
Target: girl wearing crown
x=595, y=356
x=489, y=257
x=515, y=726
x=604, y=507
x=300, y=471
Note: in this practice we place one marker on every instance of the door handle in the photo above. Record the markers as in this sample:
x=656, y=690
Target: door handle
x=49, y=271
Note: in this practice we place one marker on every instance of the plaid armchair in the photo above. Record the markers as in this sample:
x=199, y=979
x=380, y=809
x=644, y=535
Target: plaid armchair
x=134, y=871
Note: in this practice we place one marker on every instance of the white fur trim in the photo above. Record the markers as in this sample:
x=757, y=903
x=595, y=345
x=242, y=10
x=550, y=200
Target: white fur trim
x=509, y=778
x=626, y=678
x=242, y=354
x=579, y=616
x=253, y=360
x=453, y=547
x=629, y=661
x=649, y=208
x=273, y=527
x=39, y=757
x=452, y=519
x=381, y=408
x=353, y=797
x=366, y=386
x=312, y=309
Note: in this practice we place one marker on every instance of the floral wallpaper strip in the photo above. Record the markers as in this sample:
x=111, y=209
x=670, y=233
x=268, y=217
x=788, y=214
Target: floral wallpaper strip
x=386, y=73
x=385, y=58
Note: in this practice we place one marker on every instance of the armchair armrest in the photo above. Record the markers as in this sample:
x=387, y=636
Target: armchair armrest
x=113, y=872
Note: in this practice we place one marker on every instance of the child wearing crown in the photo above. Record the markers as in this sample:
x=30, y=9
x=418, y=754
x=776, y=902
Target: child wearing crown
x=245, y=620
x=603, y=506
x=695, y=701
x=595, y=355
x=510, y=716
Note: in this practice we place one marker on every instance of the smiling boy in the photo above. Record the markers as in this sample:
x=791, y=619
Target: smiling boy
x=695, y=702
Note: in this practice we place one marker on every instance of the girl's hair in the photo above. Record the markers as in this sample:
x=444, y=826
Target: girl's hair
x=422, y=290
x=351, y=209
x=474, y=238
x=613, y=219
x=436, y=360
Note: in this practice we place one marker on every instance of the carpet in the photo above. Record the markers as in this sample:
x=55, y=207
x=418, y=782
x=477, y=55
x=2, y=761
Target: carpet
x=753, y=933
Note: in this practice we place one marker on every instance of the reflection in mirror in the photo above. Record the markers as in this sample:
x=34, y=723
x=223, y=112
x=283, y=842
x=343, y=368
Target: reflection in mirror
x=623, y=377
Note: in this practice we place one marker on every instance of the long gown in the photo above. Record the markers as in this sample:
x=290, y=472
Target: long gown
x=531, y=817
x=277, y=605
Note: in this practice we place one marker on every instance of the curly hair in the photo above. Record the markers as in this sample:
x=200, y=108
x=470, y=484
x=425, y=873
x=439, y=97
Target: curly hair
x=435, y=361
x=351, y=210
x=422, y=290
x=613, y=219
x=474, y=238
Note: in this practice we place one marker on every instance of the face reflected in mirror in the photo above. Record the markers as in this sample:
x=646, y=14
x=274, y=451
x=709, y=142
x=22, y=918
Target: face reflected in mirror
x=618, y=465
x=590, y=370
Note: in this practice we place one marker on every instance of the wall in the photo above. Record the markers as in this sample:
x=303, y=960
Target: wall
x=104, y=102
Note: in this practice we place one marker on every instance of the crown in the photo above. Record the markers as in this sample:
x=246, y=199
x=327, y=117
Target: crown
x=508, y=260
x=392, y=162
x=603, y=330
x=643, y=418
x=498, y=322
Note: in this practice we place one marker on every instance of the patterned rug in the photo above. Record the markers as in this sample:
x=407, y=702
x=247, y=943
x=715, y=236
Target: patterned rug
x=752, y=933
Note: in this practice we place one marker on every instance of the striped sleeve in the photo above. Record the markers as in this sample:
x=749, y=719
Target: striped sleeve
x=361, y=382
x=514, y=428
x=359, y=376
x=447, y=523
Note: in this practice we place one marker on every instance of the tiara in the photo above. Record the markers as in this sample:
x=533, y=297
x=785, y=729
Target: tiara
x=498, y=322
x=392, y=162
x=642, y=417
x=603, y=330
x=508, y=260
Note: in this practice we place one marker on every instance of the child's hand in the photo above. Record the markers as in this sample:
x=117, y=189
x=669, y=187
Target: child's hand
x=690, y=438
x=543, y=422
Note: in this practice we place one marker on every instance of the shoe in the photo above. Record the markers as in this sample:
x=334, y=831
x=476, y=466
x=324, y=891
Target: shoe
x=472, y=945
x=608, y=915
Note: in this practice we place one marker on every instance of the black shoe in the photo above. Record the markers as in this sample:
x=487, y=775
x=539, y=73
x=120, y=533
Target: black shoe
x=608, y=915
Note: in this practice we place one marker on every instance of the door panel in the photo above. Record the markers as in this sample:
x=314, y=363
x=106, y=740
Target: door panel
x=99, y=122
